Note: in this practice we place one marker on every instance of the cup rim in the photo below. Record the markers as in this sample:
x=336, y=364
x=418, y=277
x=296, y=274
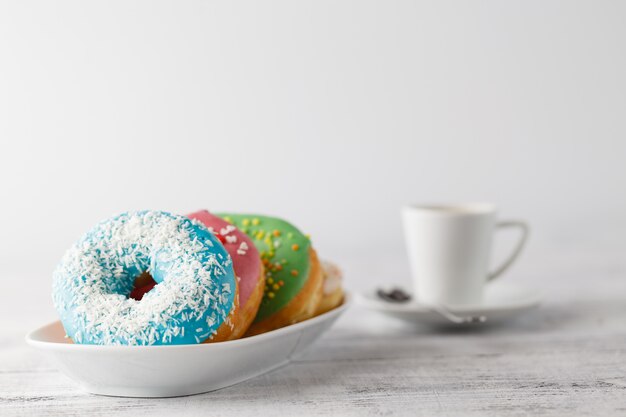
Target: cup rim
x=451, y=209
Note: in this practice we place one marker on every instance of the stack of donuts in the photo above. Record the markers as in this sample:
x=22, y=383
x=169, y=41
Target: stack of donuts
x=157, y=278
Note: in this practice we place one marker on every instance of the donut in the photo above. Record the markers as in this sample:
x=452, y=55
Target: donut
x=293, y=273
x=332, y=293
x=247, y=264
x=195, y=292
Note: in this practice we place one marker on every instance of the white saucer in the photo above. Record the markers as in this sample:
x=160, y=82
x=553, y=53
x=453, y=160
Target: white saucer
x=168, y=371
x=502, y=300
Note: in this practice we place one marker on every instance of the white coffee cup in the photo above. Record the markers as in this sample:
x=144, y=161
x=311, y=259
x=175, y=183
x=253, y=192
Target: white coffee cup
x=449, y=248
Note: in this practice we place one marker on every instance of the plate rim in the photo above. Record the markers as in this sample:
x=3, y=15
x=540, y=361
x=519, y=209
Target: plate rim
x=365, y=299
x=58, y=346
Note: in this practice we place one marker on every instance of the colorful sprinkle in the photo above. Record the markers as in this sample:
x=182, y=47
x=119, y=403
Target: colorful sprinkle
x=276, y=233
x=256, y=221
x=295, y=246
x=294, y=272
x=245, y=222
x=271, y=294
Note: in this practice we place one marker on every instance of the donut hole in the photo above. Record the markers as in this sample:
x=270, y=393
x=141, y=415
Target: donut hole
x=144, y=283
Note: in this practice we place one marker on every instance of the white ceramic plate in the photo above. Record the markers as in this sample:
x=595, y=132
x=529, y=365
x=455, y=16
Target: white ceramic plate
x=502, y=300
x=169, y=371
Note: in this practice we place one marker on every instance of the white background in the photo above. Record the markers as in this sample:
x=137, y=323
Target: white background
x=329, y=113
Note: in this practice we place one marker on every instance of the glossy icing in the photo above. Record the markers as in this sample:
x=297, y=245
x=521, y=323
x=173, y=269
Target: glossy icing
x=284, y=251
x=245, y=256
x=194, y=273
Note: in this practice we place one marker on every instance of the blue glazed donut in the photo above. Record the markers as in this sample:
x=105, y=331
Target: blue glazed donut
x=194, y=296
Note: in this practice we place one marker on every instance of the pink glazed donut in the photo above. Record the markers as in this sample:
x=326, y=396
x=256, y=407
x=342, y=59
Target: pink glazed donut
x=247, y=265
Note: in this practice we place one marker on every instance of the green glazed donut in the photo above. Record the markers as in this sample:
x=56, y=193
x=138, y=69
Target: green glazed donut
x=284, y=251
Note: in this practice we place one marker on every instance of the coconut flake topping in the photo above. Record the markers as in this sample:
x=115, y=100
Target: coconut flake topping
x=194, y=276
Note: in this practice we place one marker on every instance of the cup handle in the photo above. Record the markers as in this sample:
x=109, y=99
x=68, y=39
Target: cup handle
x=523, y=226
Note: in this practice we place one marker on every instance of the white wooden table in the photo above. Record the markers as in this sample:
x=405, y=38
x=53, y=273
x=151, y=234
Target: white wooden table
x=566, y=358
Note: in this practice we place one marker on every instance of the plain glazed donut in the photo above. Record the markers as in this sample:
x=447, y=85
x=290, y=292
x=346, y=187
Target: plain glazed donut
x=247, y=264
x=293, y=273
x=195, y=293
x=332, y=294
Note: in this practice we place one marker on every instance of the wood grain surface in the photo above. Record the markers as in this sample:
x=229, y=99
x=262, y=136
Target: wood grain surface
x=566, y=358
